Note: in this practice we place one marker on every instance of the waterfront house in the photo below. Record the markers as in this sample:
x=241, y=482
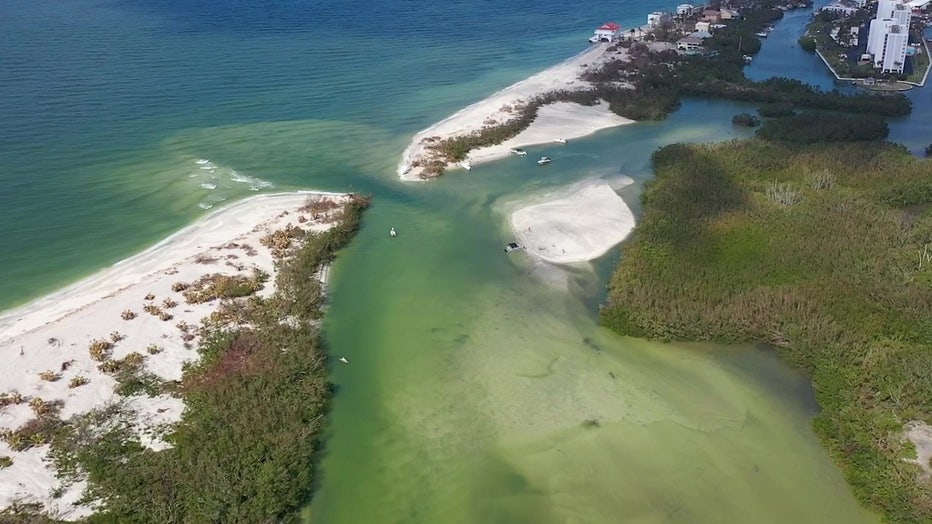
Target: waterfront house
x=658, y=19
x=843, y=8
x=847, y=38
x=685, y=10
x=728, y=14
x=710, y=15
x=689, y=43
x=607, y=32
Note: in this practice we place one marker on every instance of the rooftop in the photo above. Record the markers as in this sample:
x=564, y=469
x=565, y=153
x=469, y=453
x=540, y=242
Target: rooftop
x=690, y=40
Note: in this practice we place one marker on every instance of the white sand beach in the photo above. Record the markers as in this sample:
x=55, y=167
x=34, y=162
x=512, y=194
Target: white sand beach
x=579, y=225
x=562, y=120
x=137, y=306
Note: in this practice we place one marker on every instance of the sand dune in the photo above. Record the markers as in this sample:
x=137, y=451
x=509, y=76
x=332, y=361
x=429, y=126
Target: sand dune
x=51, y=336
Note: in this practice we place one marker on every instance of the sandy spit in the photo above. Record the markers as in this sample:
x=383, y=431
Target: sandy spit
x=557, y=121
x=51, y=335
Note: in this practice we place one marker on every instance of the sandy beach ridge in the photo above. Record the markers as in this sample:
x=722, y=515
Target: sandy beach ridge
x=143, y=309
x=562, y=120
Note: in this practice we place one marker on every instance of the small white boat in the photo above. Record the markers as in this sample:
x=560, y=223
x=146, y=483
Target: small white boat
x=543, y=161
x=513, y=246
x=392, y=232
x=519, y=152
x=560, y=140
x=467, y=165
x=762, y=34
x=344, y=360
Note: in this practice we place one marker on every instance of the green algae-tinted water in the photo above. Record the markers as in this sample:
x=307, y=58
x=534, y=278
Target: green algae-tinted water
x=480, y=389
x=478, y=393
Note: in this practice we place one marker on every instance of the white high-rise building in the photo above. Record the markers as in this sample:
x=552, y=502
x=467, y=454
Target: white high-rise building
x=893, y=9
x=889, y=36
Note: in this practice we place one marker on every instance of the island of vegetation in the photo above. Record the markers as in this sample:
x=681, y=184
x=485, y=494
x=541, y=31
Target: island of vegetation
x=206, y=401
x=815, y=237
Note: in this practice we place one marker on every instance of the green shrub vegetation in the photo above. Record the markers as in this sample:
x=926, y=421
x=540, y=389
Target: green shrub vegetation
x=255, y=404
x=217, y=286
x=808, y=44
x=817, y=250
x=812, y=127
x=776, y=110
x=739, y=37
x=745, y=119
x=716, y=78
x=25, y=513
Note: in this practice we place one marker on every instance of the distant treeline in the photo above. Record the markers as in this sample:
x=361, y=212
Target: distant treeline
x=718, y=77
x=817, y=250
x=739, y=37
x=818, y=126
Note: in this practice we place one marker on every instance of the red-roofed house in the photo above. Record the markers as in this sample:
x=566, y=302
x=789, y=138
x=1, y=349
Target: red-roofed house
x=608, y=32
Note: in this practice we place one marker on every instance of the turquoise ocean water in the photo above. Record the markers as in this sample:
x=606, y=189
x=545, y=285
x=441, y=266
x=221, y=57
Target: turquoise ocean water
x=121, y=121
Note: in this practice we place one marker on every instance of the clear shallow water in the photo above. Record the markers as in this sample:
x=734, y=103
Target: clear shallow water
x=471, y=383
x=471, y=379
